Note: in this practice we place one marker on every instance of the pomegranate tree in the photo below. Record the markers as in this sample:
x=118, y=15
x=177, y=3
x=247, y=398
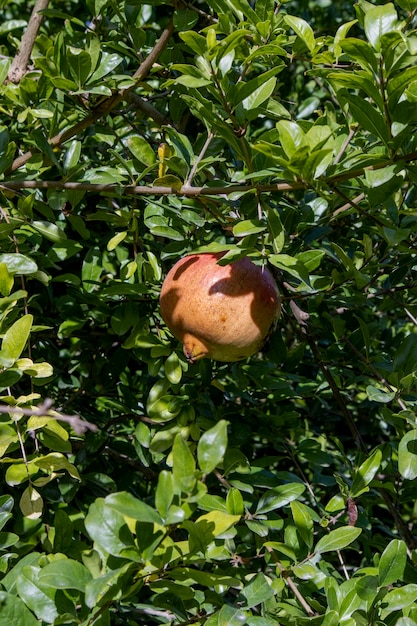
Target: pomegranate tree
x=223, y=312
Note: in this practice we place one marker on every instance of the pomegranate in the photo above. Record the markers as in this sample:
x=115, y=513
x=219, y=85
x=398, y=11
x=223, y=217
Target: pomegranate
x=223, y=312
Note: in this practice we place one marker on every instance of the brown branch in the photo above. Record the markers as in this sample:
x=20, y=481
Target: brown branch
x=20, y=62
x=144, y=190
x=78, y=425
x=185, y=190
x=148, y=109
x=106, y=105
x=291, y=584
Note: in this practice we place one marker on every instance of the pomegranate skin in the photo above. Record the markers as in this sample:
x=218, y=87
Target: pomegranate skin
x=221, y=312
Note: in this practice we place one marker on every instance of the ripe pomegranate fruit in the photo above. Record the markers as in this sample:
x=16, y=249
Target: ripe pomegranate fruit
x=223, y=312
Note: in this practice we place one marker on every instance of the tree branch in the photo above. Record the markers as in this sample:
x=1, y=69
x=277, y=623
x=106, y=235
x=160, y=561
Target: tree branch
x=144, y=190
x=78, y=425
x=20, y=62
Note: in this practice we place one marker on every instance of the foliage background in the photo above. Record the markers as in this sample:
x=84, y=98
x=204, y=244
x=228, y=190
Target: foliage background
x=137, y=489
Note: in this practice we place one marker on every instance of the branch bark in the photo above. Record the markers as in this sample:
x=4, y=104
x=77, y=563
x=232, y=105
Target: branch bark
x=20, y=62
x=144, y=190
x=78, y=425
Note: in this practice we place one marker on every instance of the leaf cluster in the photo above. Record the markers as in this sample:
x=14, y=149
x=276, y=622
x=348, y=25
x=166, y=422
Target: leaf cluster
x=140, y=489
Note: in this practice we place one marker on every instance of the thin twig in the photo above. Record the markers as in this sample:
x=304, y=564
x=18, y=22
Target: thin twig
x=145, y=190
x=345, y=144
x=374, y=371
x=20, y=62
x=198, y=160
x=148, y=109
x=291, y=584
x=348, y=205
x=78, y=425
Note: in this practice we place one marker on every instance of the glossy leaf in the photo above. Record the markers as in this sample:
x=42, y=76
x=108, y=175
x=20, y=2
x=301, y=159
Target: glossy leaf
x=15, y=338
x=108, y=528
x=212, y=447
x=18, y=263
x=379, y=21
x=392, y=562
x=365, y=473
x=337, y=539
x=279, y=496
x=40, y=599
x=183, y=464
x=407, y=455
x=303, y=521
x=64, y=574
x=129, y=506
x=259, y=590
x=302, y=29
x=14, y=611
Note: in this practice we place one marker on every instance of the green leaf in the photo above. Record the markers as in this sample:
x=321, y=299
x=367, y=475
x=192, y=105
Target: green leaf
x=108, y=587
x=183, y=465
x=379, y=21
x=234, y=502
x=368, y=116
x=215, y=523
x=279, y=496
x=392, y=563
x=108, y=528
x=7, y=540
x=337, y=539
x=196, y=42
x=407, y=455
x=164, y=493
x=258, y=591
x=365, y=473
x=6, y=280
x=400, y=598
x=14, y=611
x=18, y=263
x=311, y=259
x=108, y=62
x=303, y=522
x=129, y=506
x=50, y=231
x=184, y=19
x=141, y=150
x=276, y=229
x=31, y=503
x=302, y=29
x=212, y=447
x=259, y=95
x=291, y=265
x=64, y=529
x=15, y=338
x=405, y=359
x=379, y=395
x=56, y=462
x=6, y=507
x=116, y=239
x=228, y=615
x=173, y=369
x=248, y=227
x=91, y=269
x=39, y=598
x=80, y=64
x=291, y=135
x=64, y=574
